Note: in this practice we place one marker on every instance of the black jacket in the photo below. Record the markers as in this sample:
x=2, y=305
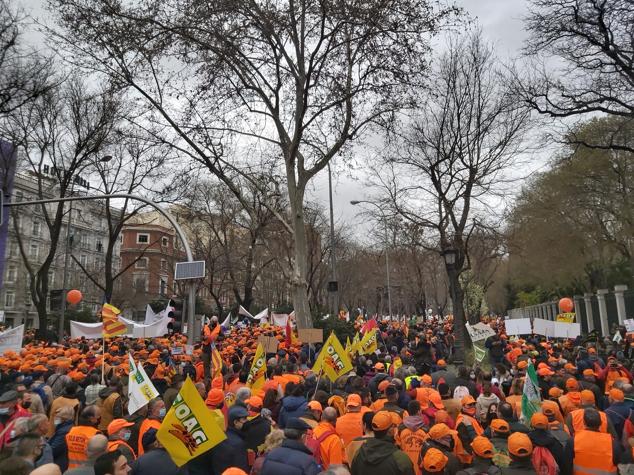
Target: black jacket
x=543, y=438
x=381, y=457
x=291, y=458
x=154, y=462
x=255, y=431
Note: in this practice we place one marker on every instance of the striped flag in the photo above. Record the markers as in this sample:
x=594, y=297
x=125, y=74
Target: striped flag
x=111, y=324
x=531, y=399
x=216, y=363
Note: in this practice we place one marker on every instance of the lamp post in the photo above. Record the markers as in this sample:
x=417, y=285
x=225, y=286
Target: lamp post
x=333, y=285
x=387, y=259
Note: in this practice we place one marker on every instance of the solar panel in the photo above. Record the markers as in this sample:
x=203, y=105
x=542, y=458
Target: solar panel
x=189, y=270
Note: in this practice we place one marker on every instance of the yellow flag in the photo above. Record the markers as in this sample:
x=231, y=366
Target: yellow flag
x=397, y=363
x=188, y=430
x=348, y=347
x=369, y=343
x=355, y=343
x=257, y=373
x=332, y=360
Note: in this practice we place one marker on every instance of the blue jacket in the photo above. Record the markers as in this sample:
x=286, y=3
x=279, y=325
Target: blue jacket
x=292, y=406
x=618, y=414
x=231, y=452
x=291, y=458
x=58, y=444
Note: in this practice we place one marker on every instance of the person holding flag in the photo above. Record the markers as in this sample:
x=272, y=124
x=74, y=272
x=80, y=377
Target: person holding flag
x=211, y=331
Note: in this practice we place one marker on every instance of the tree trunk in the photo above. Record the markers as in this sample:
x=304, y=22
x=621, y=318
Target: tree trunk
x=299, y=285
x=457, y=300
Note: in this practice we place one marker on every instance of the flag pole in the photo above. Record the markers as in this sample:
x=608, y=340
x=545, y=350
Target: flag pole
x=318, y=379
x=103, y=358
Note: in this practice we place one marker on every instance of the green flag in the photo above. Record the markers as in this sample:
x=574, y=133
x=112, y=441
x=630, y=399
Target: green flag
x=479, y=353
x=531, y=399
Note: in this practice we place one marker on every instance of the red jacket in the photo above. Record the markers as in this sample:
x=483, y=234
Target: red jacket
x=6, y=428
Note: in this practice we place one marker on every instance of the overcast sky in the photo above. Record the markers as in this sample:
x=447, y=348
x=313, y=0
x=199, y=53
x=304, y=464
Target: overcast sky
x=501, y=22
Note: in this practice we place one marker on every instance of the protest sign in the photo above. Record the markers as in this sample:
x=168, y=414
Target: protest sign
x=269, y=343
x=543, y=327
x=479, y=331
x=11, y=340
x=518, y=326
x=311, y=335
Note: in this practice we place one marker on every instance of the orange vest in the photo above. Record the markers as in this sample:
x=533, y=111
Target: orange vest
x=349, y=426
x=593, y=454
x=146, y=425
x=578, y=424
x=77, y=443
x=464, y=456
x=114, y=445
x=411, y=442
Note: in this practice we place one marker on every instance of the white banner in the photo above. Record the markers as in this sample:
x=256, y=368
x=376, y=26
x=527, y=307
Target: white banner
x=279, y=319
x=544, y=327
x=244, y=311
x=150, y=316
x=11, y=340
x=518, y=326
x=262, y=314
x=479, y=331
x=140, y=387
x=94, y=330
x=567, y=330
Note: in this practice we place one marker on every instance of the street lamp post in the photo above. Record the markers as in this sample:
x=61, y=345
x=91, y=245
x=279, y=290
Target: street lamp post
x=333, y=285
x=190, y=257
x=387, y=259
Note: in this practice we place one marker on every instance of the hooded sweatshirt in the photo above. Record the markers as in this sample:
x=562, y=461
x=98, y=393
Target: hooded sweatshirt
x=414, y=423
x=292, y=406
x=381, y=457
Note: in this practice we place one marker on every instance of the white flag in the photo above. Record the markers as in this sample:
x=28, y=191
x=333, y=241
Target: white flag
x=227, y=322
x=140, y=388
x=150, y=316
x=261, y=315
x=244, y=311
x=11, y=340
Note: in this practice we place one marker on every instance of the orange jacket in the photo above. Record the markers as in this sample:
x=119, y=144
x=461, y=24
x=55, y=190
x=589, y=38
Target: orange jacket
x=593, y=454
x=77, y=442
x=462, y=454
x=411, y=442
x=377, y=405
x=146, y=425
x=349, y=426
x=577, y=424
x=331, y=448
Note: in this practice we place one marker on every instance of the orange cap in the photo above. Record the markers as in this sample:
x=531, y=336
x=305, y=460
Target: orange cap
x=522, y=364
x=438, y=431
x=436, y=400
x=118, y=424
x=587, y=397
x=555, y=392
x=353, y=400
x=382, y=420
x=468, y=399
x=616, y=395
x=315, y=406
x=570, y=366
x=574, y=397
x=379, y=366
x=441, y=363
x=519, y=444
x=255, y=401
x=500, y=425
x=426, y=379
x=482, y=447
x=571, y=384
x=215, y=396
x=539, y=421
x=383, y=385
x=434, y=461
x=545, y=371
x=234, y=471
x=588, y=372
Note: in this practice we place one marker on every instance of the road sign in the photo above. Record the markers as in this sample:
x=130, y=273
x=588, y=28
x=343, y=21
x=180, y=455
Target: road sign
x=189, y=270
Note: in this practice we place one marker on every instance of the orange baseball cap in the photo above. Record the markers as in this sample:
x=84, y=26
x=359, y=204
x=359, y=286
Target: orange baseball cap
x=555, y=392
x=315, y=406
x=426, y=379
x=379, y=366
x=382, y=420
x=587, y=397
x=616, y=395
x=539, y=421
x=215, y=397
x=353, y=400
x=545, y=371
x=118, y=424
x=468, y=399
x=441, y=363
x=438, y=431
x=570, y=366
x=588, y=372
x=383, y=385
x=434, y=461
x=234, y=471
x=255, y=401
x=482, y=447
x=519, y=444
x=436, y=400
x=500, y=425
x=522, y=364
x=571, y=384
x=574, y=397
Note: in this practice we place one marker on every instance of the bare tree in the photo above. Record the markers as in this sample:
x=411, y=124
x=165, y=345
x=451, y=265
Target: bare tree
x=65, y=128
x=305, y=78
x=453, y=160
x=591, y=41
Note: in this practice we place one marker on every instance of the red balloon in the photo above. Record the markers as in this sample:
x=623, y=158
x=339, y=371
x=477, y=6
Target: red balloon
x=566, y=305
x=73, y=297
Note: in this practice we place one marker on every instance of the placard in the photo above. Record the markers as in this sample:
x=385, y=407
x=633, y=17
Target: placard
x=567, y=330
x=269, y=343
x=566, y=317
x=311, y=335
x=479, y=331
x=518, y=326
x=544, y=327
x=11, y=340
x=629, y=325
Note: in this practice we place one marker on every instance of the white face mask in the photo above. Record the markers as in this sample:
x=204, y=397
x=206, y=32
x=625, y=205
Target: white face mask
x=57, y=422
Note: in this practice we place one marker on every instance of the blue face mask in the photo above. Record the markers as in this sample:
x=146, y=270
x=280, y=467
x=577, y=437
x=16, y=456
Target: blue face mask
x=4, y=411
x=125, y=436
x=162, y=412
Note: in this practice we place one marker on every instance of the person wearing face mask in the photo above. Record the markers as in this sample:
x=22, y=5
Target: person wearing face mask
x=468, y=427
x=155, y=413
x=380, y=456
x=29, y=448
x=78, y=437
x=118, y=437
x=292, y=457
x=68, y=398
x=63, y=422
x=9, y=413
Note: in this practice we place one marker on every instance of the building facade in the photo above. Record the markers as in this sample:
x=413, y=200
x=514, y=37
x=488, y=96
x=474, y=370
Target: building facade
x=87, y=243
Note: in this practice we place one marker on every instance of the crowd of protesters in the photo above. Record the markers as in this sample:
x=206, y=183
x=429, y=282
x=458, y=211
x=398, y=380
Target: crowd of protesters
x=401, y=410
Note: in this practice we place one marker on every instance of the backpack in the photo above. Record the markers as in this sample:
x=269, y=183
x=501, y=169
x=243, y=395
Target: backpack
x=460, y=392
x=314, y=443
x=543, y=462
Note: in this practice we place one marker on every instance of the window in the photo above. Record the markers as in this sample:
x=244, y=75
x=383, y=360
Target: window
x=163, y=264
x=142, y=263
x=13, y=249
x=163, y=285
x=9, y=299
x=140, y=281
x=98, y=245
x=83, y=259
x=34, y=251
x=51, y=279
x=85, y=241
x=165, y=241
x=37, y=228
x=142, y=238
x=12, y=274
